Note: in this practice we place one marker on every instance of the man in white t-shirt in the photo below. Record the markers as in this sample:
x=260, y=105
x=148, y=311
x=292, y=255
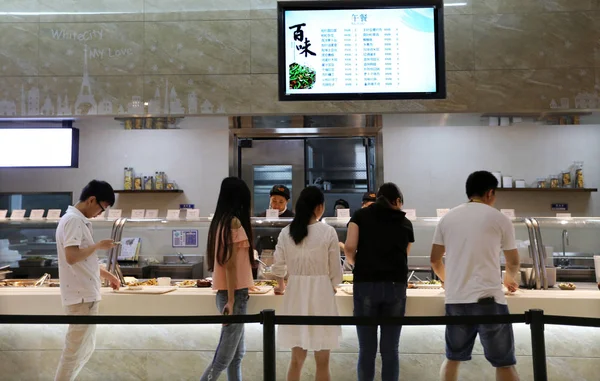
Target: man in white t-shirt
x=80, y=274
x=472, y=236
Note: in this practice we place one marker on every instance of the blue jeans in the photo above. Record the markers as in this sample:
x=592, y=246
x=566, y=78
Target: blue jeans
x=231, y=348
x=497, y=339
x=376, y=299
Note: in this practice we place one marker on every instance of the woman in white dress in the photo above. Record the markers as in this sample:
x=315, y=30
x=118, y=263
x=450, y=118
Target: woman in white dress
x=308, y=252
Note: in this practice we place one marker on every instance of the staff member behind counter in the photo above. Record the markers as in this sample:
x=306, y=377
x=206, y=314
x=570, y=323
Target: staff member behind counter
x=279, y=198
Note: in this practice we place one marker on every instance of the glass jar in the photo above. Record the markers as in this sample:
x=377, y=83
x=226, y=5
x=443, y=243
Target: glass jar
x=128, y=178
x=541, y=182
x=137, y=183
x=566, y=179
x=554, y=181
x=160, y=184
x=579, y=182
x=148, y=182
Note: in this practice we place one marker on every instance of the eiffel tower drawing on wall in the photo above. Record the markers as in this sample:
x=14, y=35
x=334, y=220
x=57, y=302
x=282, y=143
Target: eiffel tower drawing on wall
x=85, y=103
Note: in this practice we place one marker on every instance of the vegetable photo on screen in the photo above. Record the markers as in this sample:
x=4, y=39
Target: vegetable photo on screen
x=302, y=77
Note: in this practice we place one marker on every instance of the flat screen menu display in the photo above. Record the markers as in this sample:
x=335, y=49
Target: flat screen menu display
x=332, y=50
x=39, y=147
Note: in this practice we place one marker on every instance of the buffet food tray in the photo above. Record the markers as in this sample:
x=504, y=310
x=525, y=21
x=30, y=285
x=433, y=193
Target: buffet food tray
x=148, y=290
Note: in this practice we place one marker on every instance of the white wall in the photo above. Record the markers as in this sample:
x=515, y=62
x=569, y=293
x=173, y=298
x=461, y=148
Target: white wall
x=430, y=157
x=195, y=156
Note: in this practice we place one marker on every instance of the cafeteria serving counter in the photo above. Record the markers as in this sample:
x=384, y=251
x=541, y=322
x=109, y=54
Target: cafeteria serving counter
x=181, y=352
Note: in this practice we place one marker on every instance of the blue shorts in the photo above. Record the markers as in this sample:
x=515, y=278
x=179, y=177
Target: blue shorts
x=497, y=339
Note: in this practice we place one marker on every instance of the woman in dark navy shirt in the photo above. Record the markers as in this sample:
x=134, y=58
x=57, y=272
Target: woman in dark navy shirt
x=378, y=242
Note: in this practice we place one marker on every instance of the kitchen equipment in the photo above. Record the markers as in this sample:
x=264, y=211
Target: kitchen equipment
x=26, y=283
x=528, y=277
x=42, y=280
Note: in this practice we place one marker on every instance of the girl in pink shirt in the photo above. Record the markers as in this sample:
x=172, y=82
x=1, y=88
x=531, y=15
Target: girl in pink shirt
x=230, y=257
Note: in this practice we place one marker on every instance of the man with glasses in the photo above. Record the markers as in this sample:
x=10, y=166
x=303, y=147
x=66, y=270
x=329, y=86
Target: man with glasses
x=80, y=274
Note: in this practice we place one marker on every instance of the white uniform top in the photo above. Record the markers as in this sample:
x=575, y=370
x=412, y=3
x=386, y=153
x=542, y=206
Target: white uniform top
x=80, y=282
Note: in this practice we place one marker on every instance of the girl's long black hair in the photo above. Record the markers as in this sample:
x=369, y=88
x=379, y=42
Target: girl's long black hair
x=310, y=198
x=234, y=202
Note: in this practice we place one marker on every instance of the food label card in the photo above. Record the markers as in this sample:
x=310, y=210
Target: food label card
x=510, y=213
x=411, y=214
x=272, y=213
x=152, y=213
x=343, y=213
x=442, y=212
x=193, y=214
x=18, y=214
x=37, y=214
x=173, y=214
x=138, y=213
x=114, y=214
x=54, y=214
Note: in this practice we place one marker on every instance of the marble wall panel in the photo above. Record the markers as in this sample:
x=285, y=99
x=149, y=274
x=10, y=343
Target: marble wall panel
x=199, y=94
x=19, y=11
x=502, y=55
x=18, y=49
x=111, y=48
x=197, y=47
x=17, y=94
x=508, y=41
x=263, y=9
x=461, y=89
x=530, y=90
x=507, y=6
x=571, y=46
x=596, y=33
x=570, y=5
x=91, y=10
x=459, y=7
x=264, y=46
x=458, y=31
x=190, y=10
x=105, y=95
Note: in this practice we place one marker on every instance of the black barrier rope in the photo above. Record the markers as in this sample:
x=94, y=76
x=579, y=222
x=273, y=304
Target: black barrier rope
x=413, y=320
x=257, y=318
x=572, y=321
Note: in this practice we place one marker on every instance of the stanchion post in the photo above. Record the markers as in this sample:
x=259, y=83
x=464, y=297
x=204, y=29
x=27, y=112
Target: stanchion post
x=538, y=345
x=269, y=360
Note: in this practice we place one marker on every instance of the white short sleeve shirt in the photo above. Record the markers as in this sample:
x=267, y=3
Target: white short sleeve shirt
x=474, y=236
x=80, y=282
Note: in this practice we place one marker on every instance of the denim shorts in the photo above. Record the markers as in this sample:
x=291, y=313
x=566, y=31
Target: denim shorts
x=497, y=339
